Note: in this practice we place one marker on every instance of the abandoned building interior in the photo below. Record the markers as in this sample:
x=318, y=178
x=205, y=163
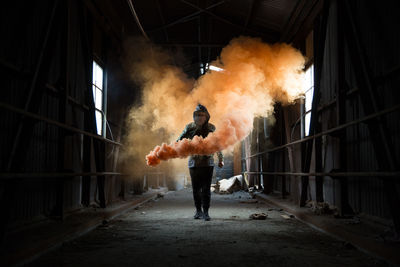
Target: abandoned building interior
x=90, y=87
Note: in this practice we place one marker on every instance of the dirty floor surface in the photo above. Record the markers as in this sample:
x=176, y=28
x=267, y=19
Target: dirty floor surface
x=164, y=233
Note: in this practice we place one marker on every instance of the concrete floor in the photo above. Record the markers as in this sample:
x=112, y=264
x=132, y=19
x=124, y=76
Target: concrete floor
x=163, y=233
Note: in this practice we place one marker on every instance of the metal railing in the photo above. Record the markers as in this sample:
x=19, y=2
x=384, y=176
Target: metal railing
x=332, y=174
x=335, y=129
x=56, y=123
x=56, y=174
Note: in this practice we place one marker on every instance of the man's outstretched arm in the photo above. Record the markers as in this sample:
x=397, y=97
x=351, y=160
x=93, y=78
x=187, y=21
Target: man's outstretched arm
x=183, y=134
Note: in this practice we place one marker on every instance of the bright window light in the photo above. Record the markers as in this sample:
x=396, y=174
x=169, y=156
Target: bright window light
x=215, y=68
x=97, y=87
x=309, y=93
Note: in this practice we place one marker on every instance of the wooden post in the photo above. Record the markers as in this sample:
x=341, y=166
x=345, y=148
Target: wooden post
x=344, y=206
x=318, y=55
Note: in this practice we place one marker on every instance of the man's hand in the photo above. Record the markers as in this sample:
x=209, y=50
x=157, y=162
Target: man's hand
x=221, y=164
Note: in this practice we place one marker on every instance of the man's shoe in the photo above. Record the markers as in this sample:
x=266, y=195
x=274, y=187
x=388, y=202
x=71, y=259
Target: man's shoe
x=198, y=215
x=206, y=216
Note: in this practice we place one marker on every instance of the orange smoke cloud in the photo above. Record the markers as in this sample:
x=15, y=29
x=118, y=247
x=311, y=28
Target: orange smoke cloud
x=255, y=76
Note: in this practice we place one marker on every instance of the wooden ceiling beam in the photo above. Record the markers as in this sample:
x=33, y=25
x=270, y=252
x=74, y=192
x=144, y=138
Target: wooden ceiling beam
x=241, y=27
x=186, y=18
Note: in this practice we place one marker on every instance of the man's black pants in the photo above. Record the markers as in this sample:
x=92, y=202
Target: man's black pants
x=201, y=183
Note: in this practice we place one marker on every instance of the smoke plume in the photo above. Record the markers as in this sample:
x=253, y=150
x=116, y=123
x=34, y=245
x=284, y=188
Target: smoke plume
x=255, y=75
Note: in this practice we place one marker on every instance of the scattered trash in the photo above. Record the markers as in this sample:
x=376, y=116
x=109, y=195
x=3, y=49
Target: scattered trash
x=286, y=217
x=214, y=188
x=228, y=186
x=160, y=195
x=321, y=208
x=143, y=212
x=258, y=216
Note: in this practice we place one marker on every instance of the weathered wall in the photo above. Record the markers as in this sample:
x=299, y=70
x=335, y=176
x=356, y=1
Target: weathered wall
x=366, y=194
x=52, y=58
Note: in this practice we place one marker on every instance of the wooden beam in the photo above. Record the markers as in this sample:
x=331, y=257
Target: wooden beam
x=185, y=18
x=268, y=37
x=250, y=12
x=159, y=9
x=288, y=138
x=319, y=55
x=292, y=19
x=344, y=206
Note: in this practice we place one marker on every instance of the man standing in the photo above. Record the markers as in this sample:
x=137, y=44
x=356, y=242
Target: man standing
x=201, y=166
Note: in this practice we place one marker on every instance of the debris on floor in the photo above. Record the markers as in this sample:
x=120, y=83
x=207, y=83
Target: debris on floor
x=321, y=208
x=213, y=188
x=287, y=217
x=258, y=216
x=168, y=236
x=242, y=195
x=251, y=189
x=230, y=185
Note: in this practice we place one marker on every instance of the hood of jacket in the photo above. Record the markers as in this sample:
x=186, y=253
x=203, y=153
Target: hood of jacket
x=201, y=108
